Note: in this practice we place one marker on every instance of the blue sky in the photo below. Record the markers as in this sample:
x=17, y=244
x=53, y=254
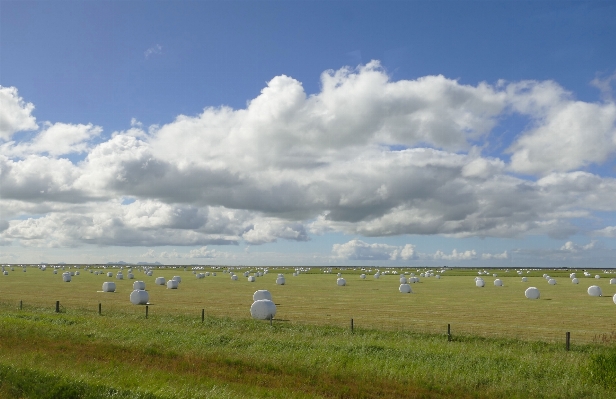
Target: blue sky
x=354, y=133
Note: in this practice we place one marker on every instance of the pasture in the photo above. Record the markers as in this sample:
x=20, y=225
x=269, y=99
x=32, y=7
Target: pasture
x=503, y=345
x=314, y=298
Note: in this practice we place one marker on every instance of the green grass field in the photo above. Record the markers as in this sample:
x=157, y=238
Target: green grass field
x=504, y=345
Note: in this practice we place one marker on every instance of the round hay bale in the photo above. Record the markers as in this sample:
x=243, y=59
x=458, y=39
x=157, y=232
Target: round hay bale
x=261, y=294
x=109, y=274
x=139, y=297
x=532, y=293
x=246, y=274
x=139, y=285
x=572, y=275
x=55, y=272
x=480, y=283
x=495, y=275
x=614, y=298
x=341, y=282
x=149, y=273
x=263, y=309
x=597, y=276
x=109, y=286
x=613, y=281
x=66, y=277
x=160, y=281
x=498, y=282
x=251, y=279
x=234, y=277
x=120, y=276
x=438, y=276
x=594, y=290
x=172, y=284
x=130, y=276
x=524, y=279
x=280, y=280
x=552, y=281
x=405, y=289
x=177, y=278
x=339, y=274
x=377, y=275
x=402, y=280
x=362, y=276
x=5, y=273
x=575, y=281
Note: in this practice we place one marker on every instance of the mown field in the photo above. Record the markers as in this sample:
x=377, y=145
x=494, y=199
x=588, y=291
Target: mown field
x=503, y=344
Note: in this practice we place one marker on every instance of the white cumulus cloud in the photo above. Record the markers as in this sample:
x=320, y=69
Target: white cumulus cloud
x=15, y=113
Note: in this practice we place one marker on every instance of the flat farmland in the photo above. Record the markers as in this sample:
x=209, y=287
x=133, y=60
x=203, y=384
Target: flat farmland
x=314, y=298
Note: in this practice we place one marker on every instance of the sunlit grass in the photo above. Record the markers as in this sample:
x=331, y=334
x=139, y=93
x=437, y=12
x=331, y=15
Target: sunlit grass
x=503, y=344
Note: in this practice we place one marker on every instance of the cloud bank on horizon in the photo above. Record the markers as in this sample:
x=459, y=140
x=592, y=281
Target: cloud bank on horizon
x=366, y=156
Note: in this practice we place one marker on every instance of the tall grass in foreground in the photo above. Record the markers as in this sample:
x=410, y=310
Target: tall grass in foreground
x=123, y=355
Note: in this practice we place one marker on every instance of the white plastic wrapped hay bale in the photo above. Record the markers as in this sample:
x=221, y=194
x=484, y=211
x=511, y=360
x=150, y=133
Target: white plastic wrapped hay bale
x=207, y=274
x=172, y=284
x=341, y=282
x=66, y=277
x=524, y=279
x=55, y=272
x=263, y=309
x=251, y=279
x=109, y=274
x=261, y=294
x=495, y=275
x=109, y=286
x=575, y=281
x=594, y=290
x=377, y=275
x=234, y=277
x=422, y=274
x=339, y=274
x=160, y=281
x=405, y=289
x=177, y=278
x=552, y=281
x=246, y=274
x=498, y=282
x=139, y=297
x=130, y=276
x=362, y=276
x=613, y=281
x=402, y=280
x=5, y=273
x=139, y=285
x=280, y=280
x=438, y=276
x=532, y=293
x=614, y=298
x=149, y=273
x=572, y=275
x=597, y=276
x=479, y=283
x=120, y=276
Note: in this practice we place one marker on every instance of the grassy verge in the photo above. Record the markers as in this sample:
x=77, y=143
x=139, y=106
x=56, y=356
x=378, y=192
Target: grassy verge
x=83, y=355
